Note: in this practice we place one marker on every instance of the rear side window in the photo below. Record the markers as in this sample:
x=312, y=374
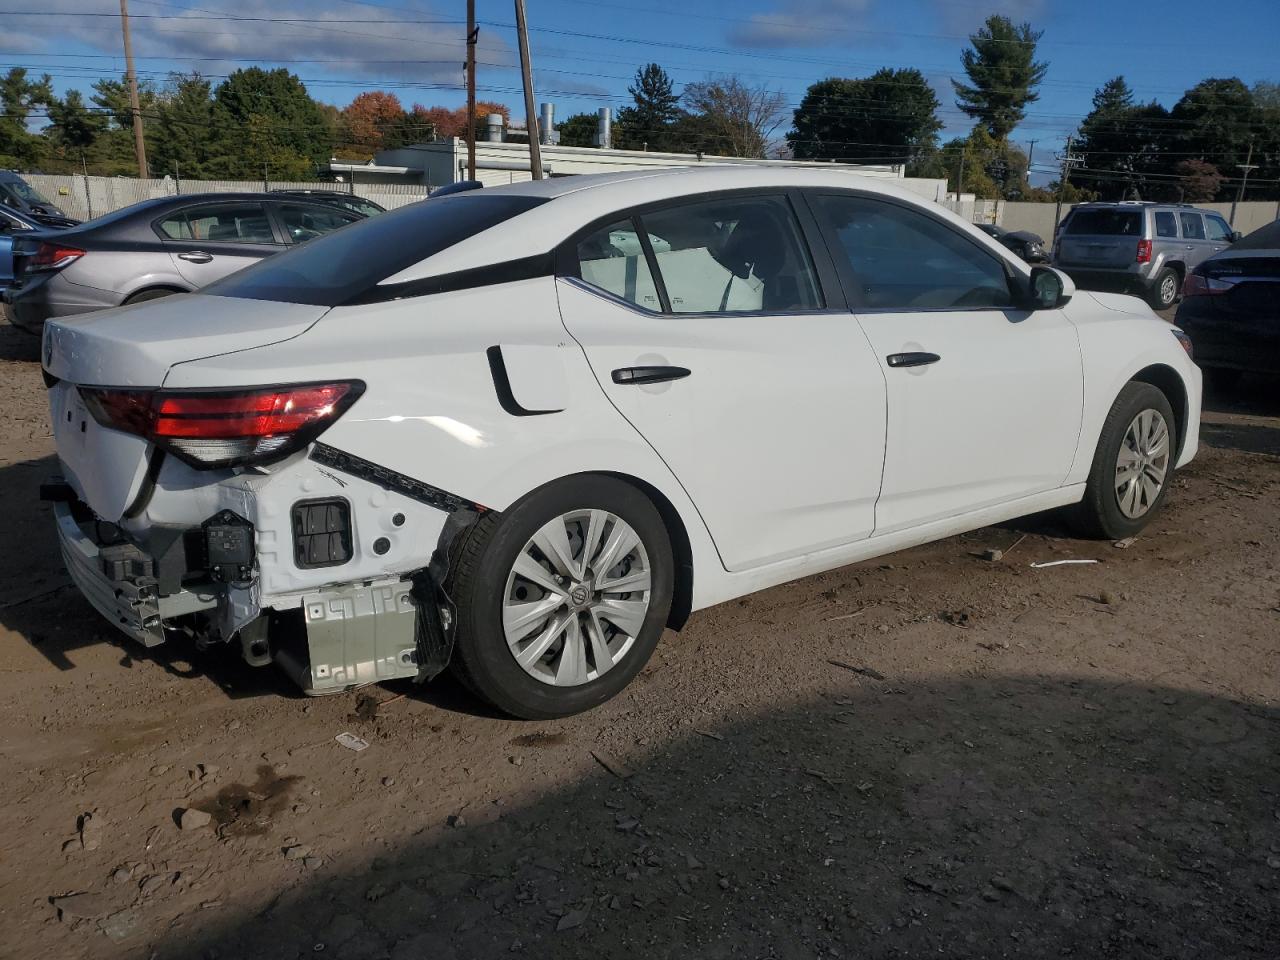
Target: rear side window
x=900, y=259
x=342, y=265
x=219, y=223
x=1105, y=223
x=1216, y=228
x=732, y=255
x=303, y=222
x=1192, y=226
x=1166, y=224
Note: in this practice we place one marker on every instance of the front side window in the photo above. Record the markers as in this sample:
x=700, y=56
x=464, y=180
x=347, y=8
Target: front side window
x=1166, y=224
x=900, y=259
x=613, y=259
x=219, y=223
x=1216, y=228
x=1192, y=226
x=732, y=255
x=303, y=222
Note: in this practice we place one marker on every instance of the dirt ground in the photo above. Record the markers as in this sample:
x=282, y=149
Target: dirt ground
x=927, y=755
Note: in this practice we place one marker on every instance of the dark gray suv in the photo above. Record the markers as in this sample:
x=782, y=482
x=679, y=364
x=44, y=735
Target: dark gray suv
x=1142, y=248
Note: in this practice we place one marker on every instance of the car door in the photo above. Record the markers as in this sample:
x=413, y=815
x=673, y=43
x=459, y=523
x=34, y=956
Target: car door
x=706, y=325
x=1217, y=234
x=1195, y=242
x=984, y=399
x=208, y=241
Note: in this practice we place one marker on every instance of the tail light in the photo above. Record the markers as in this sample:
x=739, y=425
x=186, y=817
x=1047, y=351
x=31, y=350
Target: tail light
x=1198, y=285
x=53, y=256
x=225, y=428
x=1144, y=251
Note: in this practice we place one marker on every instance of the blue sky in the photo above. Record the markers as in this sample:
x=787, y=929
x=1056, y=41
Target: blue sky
x=585, y=52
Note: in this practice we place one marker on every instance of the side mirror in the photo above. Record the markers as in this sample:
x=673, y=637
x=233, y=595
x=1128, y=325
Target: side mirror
x=1235, y=235
x=1048, y=289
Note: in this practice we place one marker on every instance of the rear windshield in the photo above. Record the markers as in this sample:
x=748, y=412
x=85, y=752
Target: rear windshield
x=1106, y=223
x=333, y=269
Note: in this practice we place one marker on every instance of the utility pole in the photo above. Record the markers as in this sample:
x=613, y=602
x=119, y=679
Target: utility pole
x=1031, y=155
x=1068, y=160
x=526, y=69
x=139, y=145
x=960, y=178
x=1244, y=179
x=473, y=34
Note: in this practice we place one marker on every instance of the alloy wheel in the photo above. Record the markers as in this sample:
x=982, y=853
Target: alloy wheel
x=1168, y=289
x=576, y=597
x=1142, y=463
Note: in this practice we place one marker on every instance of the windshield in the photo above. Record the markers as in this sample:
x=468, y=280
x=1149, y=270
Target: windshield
x=341, y=265
x=1106, y=223
x=26, y=192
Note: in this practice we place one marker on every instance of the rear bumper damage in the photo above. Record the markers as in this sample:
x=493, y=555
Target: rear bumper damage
x=333, y=575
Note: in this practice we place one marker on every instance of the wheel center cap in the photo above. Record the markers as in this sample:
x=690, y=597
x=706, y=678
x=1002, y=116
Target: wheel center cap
x=580, y=595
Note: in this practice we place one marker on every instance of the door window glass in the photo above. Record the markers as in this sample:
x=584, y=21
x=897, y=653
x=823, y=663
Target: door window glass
x=302, y=222
x=1216, y=228
x=904, y=260
x=730, y=255
x=613, y=259
x=1166, y=224
x=223, y=222
x=1192, y=226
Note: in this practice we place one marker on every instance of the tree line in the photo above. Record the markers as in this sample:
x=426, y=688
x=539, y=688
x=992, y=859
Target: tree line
x=260, y=122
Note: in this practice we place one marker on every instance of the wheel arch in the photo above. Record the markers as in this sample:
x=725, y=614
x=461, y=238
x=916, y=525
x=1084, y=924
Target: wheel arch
x=1169, y=382
x=150, y=287
x=681, y=548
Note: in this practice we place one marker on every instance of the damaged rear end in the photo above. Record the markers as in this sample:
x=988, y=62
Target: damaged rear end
x=219, y=516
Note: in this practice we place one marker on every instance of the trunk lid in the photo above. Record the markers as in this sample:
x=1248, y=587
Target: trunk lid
x=136, y=347
x=1254, y=298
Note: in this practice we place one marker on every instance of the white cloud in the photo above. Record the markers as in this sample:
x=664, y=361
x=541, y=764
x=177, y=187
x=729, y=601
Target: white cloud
x=803, y=23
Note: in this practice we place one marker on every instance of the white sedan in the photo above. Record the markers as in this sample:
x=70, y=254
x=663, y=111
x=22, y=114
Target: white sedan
x=522, y=430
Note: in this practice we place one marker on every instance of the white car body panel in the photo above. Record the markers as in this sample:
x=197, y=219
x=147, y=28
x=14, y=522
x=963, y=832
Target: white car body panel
x=792, y=448
x=780, y=446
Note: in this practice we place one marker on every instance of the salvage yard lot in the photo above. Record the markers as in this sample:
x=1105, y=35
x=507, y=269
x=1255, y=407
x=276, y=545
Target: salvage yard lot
x=929, y=754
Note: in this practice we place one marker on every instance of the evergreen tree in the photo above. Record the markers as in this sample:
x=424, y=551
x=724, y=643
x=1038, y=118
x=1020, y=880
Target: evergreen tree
x=657, y=107
x=891, y=116
x=1003, y=74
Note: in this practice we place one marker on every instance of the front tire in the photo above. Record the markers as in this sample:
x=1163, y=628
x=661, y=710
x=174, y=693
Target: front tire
x=561, y=598
x=1164, y=292
x=1132, y=466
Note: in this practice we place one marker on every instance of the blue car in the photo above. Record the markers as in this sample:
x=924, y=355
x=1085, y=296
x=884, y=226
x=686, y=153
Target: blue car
x=13, y=225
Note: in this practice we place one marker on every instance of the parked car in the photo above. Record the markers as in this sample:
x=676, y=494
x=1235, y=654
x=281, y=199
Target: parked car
x=348, y=201
x=523, y=429
x=17, y=194
x=1029, y=246
x=1231, y=307
x=1141, y=248
x=156, y=248
x=14, y=225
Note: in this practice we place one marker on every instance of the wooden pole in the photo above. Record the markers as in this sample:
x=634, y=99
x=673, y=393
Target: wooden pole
x=526, y=69
x=139, y=145
x=473, y=34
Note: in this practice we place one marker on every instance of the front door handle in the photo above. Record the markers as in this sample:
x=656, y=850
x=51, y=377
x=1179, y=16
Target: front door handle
x=642, y=375
x=196, y=256
x=919, y=359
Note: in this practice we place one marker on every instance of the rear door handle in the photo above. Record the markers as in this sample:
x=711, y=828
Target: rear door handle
x=196, y=256
x=919, y=359
x=642, y=375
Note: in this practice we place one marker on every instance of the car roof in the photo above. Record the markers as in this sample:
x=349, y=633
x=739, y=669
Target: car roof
x=576, y=201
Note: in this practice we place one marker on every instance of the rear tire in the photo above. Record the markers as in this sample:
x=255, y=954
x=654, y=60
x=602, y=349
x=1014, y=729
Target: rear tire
x=600, y=638
x=1132, y=466
x=1164, y=292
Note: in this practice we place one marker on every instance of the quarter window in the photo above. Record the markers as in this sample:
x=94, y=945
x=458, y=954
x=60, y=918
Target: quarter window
x=1192, y=226
x=613, y=259
x=903, y=260
x=224, y=222
x=1217, y=228
x=1166, y=224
